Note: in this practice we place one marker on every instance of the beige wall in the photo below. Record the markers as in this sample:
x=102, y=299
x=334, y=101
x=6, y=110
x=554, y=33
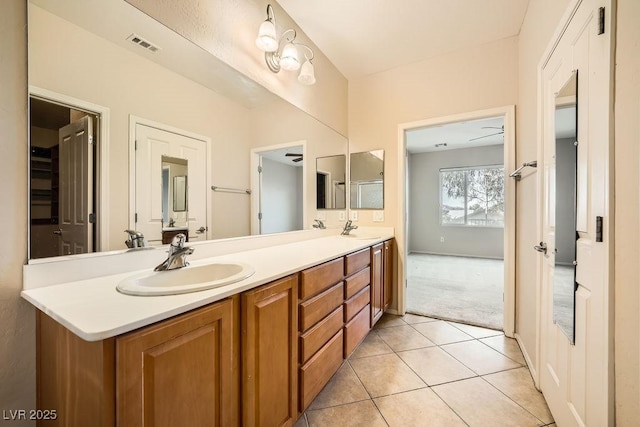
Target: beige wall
x=540, y=23
x=228, y=30
x=627, y=214
x=17, y=318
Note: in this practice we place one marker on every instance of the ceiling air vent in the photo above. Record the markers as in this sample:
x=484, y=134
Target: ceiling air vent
x=134, y=38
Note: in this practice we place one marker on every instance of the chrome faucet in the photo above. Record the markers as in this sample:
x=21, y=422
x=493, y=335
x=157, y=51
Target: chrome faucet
x=319, y=224
x=177, y=254
x=135, y=240
x=347, y=228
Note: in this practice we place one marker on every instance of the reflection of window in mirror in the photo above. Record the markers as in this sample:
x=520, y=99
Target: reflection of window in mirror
x=174, y=192
x=330, y=182
x=367, y=180
x=566, y=159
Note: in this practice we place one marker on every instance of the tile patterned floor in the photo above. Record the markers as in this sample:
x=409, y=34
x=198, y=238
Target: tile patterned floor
x=418, y=371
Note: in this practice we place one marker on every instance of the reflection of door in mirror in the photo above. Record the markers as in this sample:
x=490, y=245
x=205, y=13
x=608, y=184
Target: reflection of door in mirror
x=162, y=156
x=62, y=206
x=565, y=206
x=330, y=182
x=367, y=180
x=280, y=189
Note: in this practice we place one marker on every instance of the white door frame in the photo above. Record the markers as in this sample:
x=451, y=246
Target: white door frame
x=508, y=112
x=102, y=172
x=256, y=154
x=133, y=122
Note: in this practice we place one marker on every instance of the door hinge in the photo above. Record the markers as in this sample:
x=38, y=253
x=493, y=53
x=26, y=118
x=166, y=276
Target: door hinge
x=259, y=215
x=92, y=218
x=598, y=229
x=135, y=144
x=601, y=21
x=259, y=169
x=135, y=217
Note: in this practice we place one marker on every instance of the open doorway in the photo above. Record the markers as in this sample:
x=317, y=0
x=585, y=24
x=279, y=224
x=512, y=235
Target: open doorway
x=457, y=242
x=277, y=193
x=63, y=141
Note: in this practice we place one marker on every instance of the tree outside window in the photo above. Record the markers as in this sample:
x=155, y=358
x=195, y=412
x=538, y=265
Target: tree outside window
x=472, y=196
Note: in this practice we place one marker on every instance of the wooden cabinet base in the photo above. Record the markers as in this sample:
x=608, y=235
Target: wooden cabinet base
x=356, y=330
x=180, y=372
x=318, y=371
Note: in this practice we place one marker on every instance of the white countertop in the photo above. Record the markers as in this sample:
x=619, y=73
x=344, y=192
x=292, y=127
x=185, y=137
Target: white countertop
x=94, y=310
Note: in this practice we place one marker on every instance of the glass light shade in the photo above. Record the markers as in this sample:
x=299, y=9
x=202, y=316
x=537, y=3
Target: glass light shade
x=266, y=40
x=289, y=58
x=307, y=74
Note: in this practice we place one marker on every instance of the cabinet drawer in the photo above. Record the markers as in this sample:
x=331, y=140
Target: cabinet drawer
x=354, y=304
x=317, y=371
x=357, y=261
x=313, y=310
x=356, y=330
x=319, y=278
x=317, y=336
x=353, y=284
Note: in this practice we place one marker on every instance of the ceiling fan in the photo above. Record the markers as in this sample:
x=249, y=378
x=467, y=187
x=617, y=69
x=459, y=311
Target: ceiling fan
x=298, y=157
x=501, y=128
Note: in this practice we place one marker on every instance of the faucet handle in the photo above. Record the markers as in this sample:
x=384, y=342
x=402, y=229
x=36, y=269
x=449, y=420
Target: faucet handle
x=178, y=241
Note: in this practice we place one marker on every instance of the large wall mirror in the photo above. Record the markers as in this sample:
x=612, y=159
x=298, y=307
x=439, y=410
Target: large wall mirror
x=366, y=180
x=107, y=66
x=564, y=279
x=331, y=187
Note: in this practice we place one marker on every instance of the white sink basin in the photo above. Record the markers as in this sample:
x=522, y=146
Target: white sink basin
x=185, y=280
x=358, y=236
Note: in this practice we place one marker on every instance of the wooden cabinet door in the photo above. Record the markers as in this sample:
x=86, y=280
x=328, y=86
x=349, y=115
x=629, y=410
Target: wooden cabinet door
x=270, y=354
x=180, y=372
x=377, y=276
x=388, y=274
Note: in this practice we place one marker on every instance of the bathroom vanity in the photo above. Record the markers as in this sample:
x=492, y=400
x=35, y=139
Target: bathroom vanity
x=257, y=353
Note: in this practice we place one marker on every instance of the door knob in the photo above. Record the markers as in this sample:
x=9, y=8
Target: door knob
x=58, y=232
x=542, y=247
x=202, y=230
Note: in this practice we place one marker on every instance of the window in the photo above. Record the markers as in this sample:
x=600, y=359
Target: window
x=472, y=196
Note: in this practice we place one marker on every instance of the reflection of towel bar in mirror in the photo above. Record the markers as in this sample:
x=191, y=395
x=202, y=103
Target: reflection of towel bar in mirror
x=517, y=174
x=230, y=190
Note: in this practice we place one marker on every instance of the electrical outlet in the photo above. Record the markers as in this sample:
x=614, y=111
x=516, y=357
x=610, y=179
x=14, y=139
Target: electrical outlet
x=342, y=216
x=441, y=239
x=353, y=215
x=378, y=216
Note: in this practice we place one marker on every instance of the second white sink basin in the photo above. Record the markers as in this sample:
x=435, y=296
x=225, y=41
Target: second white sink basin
x=358, y=236
x=185, y=280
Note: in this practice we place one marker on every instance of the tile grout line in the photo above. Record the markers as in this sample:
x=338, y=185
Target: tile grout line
x=509, y=397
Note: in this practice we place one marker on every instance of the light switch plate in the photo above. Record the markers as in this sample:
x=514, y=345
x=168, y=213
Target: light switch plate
x=353, y=215
x=342, y=216
x=378, y=216
x=321, y=215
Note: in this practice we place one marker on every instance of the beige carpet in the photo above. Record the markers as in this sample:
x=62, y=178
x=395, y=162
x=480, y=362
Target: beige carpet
x=467, y=290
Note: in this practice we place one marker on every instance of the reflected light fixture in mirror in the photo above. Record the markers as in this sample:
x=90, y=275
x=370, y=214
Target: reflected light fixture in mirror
x=286, y=58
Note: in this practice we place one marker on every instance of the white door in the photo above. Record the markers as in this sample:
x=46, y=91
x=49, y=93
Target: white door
x=76, y=187
x=576, y=378
x=151, y=144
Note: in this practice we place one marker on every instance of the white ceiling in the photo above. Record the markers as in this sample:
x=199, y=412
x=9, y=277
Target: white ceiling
x=363, y=37
x=455, y=135
x=280, y=155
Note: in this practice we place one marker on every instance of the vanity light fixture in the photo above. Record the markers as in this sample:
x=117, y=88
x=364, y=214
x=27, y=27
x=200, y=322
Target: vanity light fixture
x=283, y=53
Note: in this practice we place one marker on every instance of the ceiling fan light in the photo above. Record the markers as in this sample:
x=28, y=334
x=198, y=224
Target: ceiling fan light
x=289, y=58
x=266, y=40
x=307, y=74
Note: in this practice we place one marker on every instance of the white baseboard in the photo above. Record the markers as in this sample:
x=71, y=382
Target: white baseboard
x=458, y=255
x=530, y=365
